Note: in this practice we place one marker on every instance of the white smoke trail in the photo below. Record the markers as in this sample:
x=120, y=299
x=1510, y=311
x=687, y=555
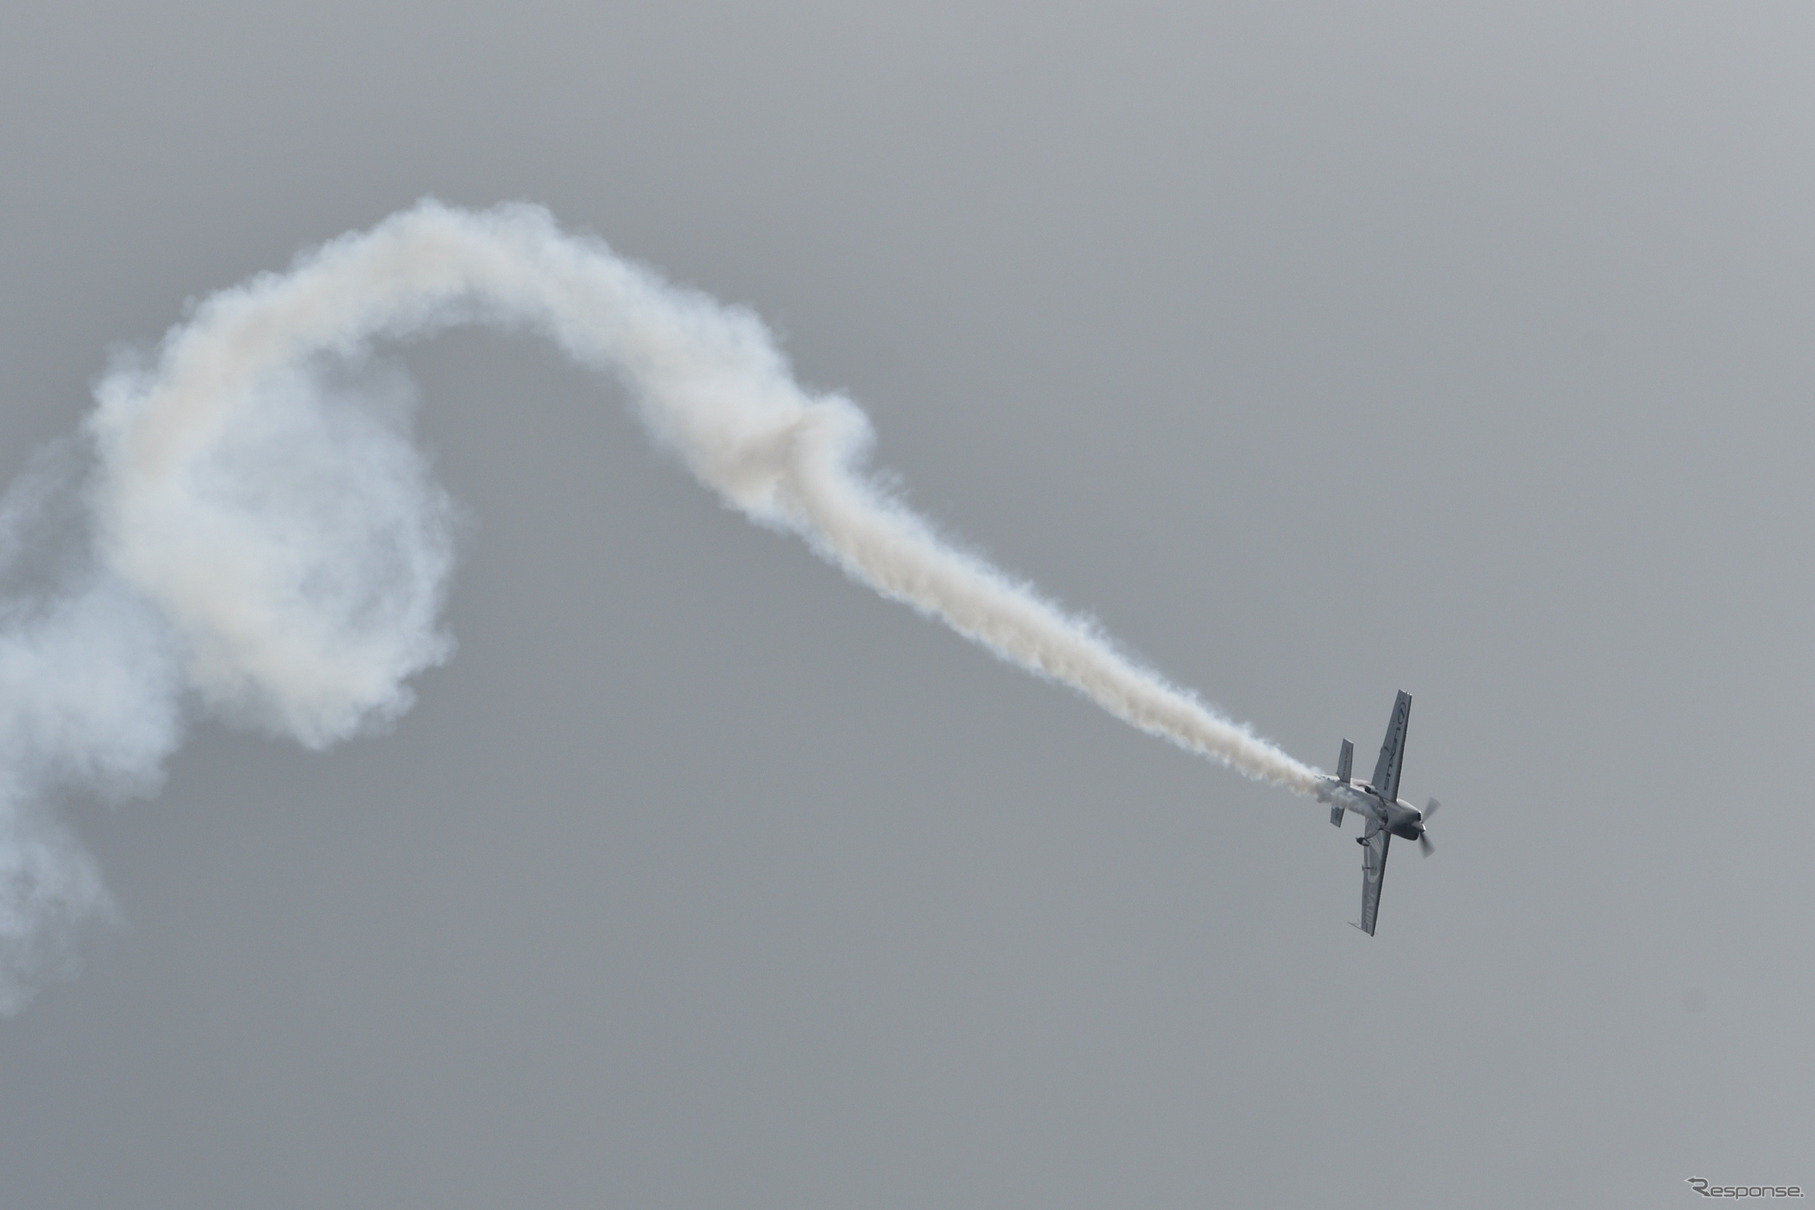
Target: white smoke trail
x=267, y=541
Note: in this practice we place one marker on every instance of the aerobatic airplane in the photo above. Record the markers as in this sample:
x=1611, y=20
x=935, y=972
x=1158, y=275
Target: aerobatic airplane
x=1379, y=804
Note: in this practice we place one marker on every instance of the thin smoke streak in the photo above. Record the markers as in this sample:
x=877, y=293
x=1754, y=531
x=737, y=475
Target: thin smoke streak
x=267, y=543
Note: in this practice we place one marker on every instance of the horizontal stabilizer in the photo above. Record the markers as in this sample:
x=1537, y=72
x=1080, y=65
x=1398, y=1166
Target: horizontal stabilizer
x=1345, y=762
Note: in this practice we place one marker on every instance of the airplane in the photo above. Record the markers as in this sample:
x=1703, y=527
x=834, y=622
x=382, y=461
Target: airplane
x=1378, y=803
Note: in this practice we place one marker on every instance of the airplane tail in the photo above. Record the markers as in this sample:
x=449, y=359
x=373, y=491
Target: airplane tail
x=1343, y=764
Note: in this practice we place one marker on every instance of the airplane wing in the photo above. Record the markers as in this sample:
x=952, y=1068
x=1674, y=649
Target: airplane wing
x=1373, y=870
x=1392, y=749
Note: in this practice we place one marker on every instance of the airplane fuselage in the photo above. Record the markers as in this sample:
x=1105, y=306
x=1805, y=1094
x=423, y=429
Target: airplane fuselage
x=1397, y=816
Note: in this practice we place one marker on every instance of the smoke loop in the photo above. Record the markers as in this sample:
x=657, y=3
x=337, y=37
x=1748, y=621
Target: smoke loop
x=267, y=542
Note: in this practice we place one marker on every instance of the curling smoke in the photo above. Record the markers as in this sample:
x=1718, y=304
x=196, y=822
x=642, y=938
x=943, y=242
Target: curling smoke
x=265, y=542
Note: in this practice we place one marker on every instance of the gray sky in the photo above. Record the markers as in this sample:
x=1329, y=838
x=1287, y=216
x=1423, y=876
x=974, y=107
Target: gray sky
x=1318, y=352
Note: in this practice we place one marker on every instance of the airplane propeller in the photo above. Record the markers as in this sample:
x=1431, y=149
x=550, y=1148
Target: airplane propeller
x=1424, y=841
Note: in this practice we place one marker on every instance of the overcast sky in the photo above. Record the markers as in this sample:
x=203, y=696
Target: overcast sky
x=1318, y=351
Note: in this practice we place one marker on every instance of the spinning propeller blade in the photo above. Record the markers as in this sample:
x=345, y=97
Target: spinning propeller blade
x=1424, y=841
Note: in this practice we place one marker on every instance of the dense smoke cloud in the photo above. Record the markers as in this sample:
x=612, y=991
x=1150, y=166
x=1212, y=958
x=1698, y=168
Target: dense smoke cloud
x=250, y=532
